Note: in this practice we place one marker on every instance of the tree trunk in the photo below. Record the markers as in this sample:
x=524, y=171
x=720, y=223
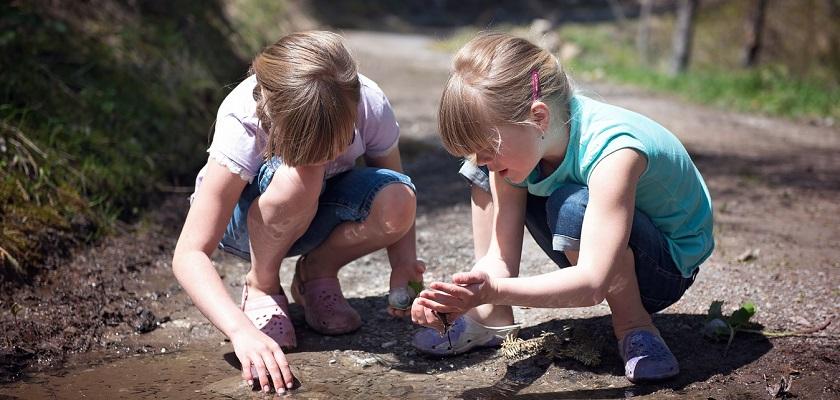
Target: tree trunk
x=618, y=14
x=643, y=34
x=755, y=25
x=683, y=35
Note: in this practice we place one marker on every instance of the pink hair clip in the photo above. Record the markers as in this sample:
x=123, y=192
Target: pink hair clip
x=535, y=84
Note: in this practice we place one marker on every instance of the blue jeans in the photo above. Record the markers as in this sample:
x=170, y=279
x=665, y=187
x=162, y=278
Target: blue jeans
x=345, y=197
x=555, y=222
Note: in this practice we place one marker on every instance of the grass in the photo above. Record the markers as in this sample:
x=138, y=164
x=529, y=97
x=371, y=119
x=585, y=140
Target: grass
x=770, y=89
x=100, y=105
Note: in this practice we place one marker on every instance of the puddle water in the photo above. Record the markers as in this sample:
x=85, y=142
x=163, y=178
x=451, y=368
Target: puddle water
x=202, y=373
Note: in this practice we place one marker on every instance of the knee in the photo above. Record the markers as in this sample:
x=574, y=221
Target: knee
x=282, y=209
x=394, y=208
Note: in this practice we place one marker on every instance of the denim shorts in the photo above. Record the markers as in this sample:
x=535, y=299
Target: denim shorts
x=345, y=197
x=555, y=222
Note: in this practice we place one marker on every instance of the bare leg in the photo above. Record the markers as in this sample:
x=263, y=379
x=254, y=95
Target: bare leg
x=390, y=219
x=623, y=296
x=482, y=223
x=273, y=226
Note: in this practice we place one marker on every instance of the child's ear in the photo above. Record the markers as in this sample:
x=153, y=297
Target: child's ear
x=540, y=115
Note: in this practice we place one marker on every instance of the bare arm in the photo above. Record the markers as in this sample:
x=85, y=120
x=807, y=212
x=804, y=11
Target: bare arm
x=501, y=260
x=505, y=248
x=203, y=229
x=605, y=234
x=291, y=192
x=289, y=195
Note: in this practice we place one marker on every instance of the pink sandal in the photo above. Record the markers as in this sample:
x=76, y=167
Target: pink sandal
x=270, y=314
x=325, y=308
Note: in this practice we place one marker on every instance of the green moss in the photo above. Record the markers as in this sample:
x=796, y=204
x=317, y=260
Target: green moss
x=100, y=105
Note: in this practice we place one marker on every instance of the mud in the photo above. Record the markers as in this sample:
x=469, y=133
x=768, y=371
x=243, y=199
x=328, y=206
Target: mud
x=76, y=332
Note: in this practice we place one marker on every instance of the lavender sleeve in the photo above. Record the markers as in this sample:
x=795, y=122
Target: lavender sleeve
x=379, y=129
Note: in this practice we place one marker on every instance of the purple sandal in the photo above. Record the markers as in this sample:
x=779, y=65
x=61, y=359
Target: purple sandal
x=646, y=357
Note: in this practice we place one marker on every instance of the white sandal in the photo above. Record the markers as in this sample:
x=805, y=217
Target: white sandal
x=464, y=335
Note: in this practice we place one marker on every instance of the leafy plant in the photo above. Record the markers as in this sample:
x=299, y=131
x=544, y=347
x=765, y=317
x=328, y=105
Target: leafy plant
x=719, y=327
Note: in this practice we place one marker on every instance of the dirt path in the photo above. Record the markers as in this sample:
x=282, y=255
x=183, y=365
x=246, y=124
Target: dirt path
x=775, y=185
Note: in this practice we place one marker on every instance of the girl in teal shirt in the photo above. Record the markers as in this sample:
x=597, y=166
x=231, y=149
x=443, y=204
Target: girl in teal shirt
x=610, y=195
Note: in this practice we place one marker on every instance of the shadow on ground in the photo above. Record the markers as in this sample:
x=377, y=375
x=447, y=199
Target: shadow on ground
x=805, y=167
x=700, y=359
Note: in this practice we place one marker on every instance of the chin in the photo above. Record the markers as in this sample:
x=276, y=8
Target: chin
x=514, y=177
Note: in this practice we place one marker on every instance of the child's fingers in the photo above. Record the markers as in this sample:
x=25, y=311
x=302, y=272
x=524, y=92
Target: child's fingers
x=287, y=379
x=443, y=298
x=274, y=373
x=417, y=313
x=423, y=316
x=420, y=266
x=397, y=313
x=432, y=321
x=246, y=371
x=468, y=278
x=262, y=373
x=440, y=308
x=451, y=289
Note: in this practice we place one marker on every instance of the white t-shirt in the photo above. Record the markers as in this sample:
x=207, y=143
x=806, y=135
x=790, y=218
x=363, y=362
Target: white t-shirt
x=239, y=140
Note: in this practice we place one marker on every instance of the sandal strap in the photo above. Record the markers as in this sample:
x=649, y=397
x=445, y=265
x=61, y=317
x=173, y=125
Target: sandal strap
x=498, y=330
x=270, y=314
x=325, y=308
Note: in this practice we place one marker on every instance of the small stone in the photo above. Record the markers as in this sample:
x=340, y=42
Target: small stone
x=749, y=255
x=388, y=344
x=163, y=349
x=332, y=361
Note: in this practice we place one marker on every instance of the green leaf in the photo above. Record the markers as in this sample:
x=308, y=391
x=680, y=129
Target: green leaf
x=416, y=286
x=742, y=315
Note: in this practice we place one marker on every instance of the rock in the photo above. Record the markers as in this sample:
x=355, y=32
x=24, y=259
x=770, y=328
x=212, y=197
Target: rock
x=748, y=255
x=145, y=321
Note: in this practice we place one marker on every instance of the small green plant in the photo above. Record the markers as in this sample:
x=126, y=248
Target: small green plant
x=719, y=327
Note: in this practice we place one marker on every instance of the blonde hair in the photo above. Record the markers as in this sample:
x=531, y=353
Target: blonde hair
x=491, y=84
x=307, y=93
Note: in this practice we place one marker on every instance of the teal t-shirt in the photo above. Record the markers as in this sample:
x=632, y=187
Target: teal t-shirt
x=670, y=191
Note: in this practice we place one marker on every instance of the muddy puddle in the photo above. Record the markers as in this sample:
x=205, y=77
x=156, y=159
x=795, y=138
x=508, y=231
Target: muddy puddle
x=201, y=373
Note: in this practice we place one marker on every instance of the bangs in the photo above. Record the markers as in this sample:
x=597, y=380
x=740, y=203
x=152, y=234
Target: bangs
x=464, y=120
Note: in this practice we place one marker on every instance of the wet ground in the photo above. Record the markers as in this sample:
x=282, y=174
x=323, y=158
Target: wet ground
x=775, y=184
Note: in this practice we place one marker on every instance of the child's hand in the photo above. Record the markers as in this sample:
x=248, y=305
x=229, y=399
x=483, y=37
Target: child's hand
x=253, y=347
x=424, y=316
x=406, y=283
x=467, y=290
